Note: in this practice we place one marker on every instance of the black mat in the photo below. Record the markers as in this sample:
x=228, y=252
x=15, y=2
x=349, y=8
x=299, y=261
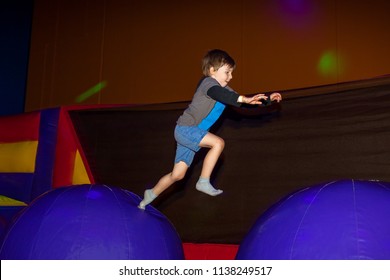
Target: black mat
x=269, y=153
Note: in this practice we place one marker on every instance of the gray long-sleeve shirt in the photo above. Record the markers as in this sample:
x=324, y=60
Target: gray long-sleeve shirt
x=208, y=104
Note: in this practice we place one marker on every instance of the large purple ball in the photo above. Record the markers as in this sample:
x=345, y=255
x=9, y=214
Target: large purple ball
x=341, y=220
x=3, y=226
x=91, y=222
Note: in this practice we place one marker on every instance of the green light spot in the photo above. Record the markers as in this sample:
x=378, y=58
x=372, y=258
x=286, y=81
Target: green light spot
x=93, y=90
x=327, y=65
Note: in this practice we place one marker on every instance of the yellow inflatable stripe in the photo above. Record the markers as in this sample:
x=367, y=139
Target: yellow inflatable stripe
x=18, y=157
x=80, y=175
x=6, y=201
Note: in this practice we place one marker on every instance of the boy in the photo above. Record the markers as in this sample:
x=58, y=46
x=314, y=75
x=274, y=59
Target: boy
x=192, y=128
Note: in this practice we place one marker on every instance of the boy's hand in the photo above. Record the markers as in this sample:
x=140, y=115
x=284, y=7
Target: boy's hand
x=256, y=99
x=276, y=96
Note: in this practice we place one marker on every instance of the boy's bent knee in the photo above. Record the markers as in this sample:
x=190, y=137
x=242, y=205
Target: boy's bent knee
x=177, y=176
x=220, y=143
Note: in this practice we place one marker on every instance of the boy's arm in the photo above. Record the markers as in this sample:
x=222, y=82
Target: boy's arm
x=224, y=96
x=230, y=97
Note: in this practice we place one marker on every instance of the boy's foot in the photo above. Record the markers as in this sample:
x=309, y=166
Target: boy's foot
x=207, y=188
x=149, y=196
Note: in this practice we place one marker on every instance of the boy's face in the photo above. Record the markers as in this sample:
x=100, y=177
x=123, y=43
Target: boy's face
x=223, y=75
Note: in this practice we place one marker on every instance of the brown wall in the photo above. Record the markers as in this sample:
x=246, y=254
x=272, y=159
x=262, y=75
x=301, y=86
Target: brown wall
x=150, y=51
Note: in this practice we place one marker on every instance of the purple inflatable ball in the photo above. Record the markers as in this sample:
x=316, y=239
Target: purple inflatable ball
x=91, y=222
x=3, y=226
x=341, y=220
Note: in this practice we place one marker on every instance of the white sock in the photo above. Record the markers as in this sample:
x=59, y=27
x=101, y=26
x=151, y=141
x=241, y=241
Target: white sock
x=203, y=185
x=149, y=196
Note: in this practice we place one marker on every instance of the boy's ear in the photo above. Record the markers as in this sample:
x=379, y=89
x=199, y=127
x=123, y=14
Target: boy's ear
x=212, y=70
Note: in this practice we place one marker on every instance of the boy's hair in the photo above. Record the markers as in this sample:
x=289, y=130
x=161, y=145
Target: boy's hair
x=216, y=59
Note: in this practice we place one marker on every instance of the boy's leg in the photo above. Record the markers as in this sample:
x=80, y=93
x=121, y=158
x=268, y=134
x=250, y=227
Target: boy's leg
x=178, y=173
x=216, y=145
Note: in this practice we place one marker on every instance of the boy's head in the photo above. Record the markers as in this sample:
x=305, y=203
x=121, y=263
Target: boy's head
x=216, y=59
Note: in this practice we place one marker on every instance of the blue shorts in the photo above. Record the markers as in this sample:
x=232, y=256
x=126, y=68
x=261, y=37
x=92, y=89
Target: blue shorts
x=188, y=139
